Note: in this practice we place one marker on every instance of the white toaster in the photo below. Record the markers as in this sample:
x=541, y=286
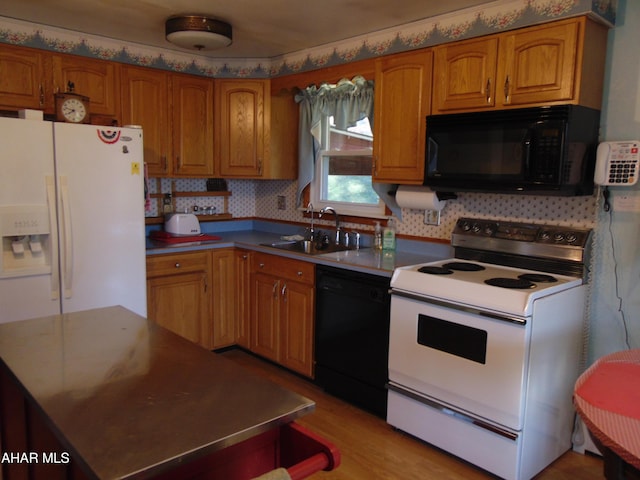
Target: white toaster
x=182, y=224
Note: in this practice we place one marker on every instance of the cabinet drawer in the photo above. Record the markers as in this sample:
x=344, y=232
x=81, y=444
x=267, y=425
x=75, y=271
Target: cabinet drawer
x=185, y=262
x=283, y=267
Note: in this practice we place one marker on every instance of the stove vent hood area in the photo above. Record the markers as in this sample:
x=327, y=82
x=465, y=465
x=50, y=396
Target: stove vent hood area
x=539, y=151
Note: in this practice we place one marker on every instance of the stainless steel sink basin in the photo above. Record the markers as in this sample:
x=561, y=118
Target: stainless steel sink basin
x=306, y=246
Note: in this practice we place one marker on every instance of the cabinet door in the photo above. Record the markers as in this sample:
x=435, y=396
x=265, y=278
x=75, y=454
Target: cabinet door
x=538, y=65
x=224, y=297
x=241, y=114
x=179, y=303
x=242, y=296
x=97, y=79
x=402, y=102
x=192, y=123
x=465, y=75
x=145, y=102
x=265, y=314
x=297, y=327
x=23, y=80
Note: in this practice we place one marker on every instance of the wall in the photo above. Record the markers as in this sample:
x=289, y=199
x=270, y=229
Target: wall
x=615, y=306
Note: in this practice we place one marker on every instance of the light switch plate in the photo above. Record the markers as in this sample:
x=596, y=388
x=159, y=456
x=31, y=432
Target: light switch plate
x=626, y=203
x=432, y=217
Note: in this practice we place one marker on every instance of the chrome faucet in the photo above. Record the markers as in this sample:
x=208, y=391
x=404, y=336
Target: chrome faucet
x=310, y=211
x=331, y=210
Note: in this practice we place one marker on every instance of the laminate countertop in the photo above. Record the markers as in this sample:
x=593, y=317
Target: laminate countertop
x=366, y=260
x=129, y=399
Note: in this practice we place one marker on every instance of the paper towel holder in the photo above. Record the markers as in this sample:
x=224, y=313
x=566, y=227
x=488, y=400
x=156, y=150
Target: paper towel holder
x=446, y=196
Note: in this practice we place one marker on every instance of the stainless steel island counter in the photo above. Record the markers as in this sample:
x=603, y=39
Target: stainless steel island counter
x=125, y=398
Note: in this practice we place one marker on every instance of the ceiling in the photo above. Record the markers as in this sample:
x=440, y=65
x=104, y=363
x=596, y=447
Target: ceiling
x=261, y=28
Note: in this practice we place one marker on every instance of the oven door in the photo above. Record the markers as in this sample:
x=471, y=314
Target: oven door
x=471, y=361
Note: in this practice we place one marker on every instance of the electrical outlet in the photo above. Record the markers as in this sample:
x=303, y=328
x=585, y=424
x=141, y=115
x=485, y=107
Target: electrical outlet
x=282, y=202
x=432, y=217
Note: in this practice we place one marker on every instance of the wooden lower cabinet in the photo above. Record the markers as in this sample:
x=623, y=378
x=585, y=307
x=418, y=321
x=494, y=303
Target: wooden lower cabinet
x=225, y=301
x=282, y=311
x=179, y=294
x=242, y=296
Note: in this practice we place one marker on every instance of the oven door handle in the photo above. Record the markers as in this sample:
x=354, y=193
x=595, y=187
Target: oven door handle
x=452, y=412
x=464, y=308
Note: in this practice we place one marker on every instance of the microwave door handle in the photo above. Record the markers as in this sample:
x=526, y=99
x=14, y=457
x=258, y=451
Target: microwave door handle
x=526, y=150
x=432, y=156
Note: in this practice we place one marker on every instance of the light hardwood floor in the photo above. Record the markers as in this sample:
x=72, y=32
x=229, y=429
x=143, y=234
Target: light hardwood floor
x=371, y=449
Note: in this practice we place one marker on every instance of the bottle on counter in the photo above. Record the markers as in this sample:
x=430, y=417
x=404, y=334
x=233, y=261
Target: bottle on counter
x=377, y=237
x=389, y=236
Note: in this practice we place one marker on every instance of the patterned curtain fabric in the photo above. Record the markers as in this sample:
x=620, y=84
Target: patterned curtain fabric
x=348, y=101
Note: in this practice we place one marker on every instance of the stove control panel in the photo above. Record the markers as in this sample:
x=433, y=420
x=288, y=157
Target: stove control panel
x=521, y=238
x=522, y=232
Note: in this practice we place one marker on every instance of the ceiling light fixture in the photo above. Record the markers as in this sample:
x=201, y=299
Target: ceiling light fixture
x=197, y=32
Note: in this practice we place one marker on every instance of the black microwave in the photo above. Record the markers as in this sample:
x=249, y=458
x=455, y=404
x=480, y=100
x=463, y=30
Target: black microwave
x=543, y=150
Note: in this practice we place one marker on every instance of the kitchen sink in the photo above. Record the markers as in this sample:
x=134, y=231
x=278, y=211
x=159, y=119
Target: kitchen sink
x=307, y=246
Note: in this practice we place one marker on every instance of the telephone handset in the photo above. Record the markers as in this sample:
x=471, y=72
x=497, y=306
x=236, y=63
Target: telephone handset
x=617, y=163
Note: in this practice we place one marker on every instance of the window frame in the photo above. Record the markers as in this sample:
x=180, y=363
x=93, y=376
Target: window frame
x=318, y=186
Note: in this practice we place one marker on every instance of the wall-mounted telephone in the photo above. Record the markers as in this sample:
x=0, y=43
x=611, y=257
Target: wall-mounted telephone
x=617, y=163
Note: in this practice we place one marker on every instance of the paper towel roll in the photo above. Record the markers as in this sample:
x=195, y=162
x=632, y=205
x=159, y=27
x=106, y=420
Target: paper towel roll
x=418, y=198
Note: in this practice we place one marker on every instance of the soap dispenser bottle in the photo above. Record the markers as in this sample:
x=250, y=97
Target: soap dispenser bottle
x=377, y=237
x=389, y=236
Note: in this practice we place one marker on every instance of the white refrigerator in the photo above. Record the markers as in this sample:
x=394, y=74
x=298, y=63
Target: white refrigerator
x=71, y=218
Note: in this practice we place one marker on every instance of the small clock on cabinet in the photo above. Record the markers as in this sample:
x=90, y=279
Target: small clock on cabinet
x=71, y=107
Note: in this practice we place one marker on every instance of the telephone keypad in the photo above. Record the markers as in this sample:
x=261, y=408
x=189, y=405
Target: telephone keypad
x=623, y=167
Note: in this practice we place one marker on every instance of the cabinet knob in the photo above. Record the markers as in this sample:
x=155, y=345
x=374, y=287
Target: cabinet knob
x=299, y=274
x=261, y=265
x=177, y=264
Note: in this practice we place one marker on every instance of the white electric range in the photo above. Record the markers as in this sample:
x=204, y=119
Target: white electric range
x=485, y=347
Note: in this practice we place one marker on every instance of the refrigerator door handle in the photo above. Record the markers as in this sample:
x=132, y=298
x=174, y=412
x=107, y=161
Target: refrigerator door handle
x=67, y=246
x=55, y=268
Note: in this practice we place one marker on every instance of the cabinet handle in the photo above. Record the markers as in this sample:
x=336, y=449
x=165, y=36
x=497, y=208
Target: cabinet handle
x=507, y=88
x=41, y=95
x=274, y=290
x=261, y=265
x=259, y=166
x=165, y=162
x=299, y=274
x=488, y=90
x=244, y=257
x=206, y=283
x=283, y=292
x=177, y=265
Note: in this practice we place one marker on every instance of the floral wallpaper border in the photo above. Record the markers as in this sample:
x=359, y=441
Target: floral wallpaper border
x=497, y=16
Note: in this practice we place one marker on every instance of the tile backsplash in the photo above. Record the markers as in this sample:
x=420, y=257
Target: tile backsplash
x=259, y=198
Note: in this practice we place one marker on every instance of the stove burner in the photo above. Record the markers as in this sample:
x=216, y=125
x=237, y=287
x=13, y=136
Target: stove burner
x=538, y=277
x=463, y=266
x=509, y=283
x=435, y=270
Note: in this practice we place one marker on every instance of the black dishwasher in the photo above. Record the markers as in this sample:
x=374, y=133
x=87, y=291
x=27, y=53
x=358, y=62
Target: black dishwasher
x=352, y=336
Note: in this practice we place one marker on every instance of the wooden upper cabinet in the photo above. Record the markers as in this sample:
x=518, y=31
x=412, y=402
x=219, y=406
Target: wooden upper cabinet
x=97, y=79
x=538, y=65
x=192, y=122
x=242, y=113
x=402, y=102
x=562, y=62
x=554, y=63
x=23, y=80
x=145, y=102
x=465, y=75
